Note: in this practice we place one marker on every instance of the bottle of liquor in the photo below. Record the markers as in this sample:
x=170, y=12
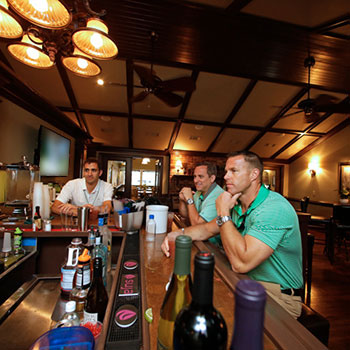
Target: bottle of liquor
x=90, y=245
x=250, y=299
x=97, y=298
x=100, y=251
x=106, y=235
x=200, y=325
x=82, y=281
x=178, y=294
x=38, y=222
x=70, y=318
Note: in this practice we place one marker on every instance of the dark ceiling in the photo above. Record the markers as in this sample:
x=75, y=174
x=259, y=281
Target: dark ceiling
x=246, y=57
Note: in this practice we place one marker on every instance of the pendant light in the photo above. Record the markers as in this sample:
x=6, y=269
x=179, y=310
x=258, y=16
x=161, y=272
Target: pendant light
x=9, y=27
x=94, y=40
x=50, y=14
x=30, y=53
x=79, y=63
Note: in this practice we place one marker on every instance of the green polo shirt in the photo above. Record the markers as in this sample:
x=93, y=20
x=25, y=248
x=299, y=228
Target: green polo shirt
x=206, y=208
x=272, y=220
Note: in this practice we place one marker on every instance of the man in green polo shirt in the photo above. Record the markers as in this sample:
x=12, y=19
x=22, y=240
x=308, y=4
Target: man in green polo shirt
x=259, y=230
x=199, y=207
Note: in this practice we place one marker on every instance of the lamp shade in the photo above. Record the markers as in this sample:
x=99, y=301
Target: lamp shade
x=29, y=53
x=50, y=14
x=94, y=40
x=9, y=27
x=81, y=65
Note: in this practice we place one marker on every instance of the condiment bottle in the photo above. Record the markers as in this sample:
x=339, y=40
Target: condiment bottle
x=82, y=281
x=17, y=241
x=70, y=265
x=38, y=223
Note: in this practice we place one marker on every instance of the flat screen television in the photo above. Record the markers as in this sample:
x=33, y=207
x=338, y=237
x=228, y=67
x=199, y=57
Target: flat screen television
x=53, y=153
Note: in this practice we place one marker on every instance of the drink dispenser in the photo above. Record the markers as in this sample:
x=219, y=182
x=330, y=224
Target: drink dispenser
x=20, y=178
x=20, y=182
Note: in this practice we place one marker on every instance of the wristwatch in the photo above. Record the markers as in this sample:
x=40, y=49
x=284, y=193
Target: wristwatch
x=190, y=201
x=220, y=220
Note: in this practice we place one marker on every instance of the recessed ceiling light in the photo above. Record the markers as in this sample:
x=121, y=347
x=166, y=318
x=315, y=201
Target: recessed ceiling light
x=195, y=138
x=106, y=118
x=199, y=127
x=100, y=82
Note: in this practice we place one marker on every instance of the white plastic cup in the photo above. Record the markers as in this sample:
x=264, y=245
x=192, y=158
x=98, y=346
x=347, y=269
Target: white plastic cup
x=160, y=213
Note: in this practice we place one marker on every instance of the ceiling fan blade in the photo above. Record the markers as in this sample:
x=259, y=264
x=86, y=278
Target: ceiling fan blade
x=179, y=84
x=146, y=76
x=325, y=99
x=139, y=97
x=169, y=98
x=342, y=108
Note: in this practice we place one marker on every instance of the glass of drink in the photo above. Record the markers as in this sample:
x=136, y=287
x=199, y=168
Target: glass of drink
x=170, y=221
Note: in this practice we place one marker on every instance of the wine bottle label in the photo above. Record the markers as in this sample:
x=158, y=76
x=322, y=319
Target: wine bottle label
x=90, y=317
x=67, y=276
x=129, y=285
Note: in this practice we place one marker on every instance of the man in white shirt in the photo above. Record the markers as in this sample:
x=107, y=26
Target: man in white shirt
x=89, y=192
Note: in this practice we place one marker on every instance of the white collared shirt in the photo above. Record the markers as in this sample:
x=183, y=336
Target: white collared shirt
x=75, y=192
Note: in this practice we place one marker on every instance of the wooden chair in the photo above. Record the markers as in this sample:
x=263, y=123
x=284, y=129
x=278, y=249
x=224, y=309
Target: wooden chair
x=309, y=318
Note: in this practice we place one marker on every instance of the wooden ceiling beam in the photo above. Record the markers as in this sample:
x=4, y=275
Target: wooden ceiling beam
x=130, y=93
x=70, y=93
x=182, y=113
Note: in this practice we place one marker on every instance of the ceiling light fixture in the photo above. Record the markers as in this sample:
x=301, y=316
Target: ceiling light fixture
x=100, y=82
x=73, y=35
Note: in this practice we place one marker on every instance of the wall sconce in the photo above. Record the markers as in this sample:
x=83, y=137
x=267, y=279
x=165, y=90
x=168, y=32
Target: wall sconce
x=178, y=166
x=312, y=172
x=314, y=166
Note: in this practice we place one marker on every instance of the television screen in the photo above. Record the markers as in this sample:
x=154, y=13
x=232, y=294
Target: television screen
x=53, y=153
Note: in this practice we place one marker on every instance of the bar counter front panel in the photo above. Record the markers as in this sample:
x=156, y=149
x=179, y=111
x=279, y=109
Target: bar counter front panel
x=281, y=330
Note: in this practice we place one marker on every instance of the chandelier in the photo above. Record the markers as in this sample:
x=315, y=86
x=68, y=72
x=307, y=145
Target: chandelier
x=75, y=36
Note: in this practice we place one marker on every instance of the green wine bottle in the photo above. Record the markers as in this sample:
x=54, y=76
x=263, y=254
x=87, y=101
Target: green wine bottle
x=178, y=294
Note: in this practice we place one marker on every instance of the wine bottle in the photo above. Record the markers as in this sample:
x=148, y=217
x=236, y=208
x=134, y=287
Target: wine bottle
x=100, y=251
x=97, y=298
x=178, y=294
x=250, y=298
x=200, y=325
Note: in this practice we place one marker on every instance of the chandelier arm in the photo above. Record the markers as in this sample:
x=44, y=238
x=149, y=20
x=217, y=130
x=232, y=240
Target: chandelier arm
x=34, y=32
x=91, y=12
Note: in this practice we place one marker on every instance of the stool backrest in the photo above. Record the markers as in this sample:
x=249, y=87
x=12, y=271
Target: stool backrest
x=304, y=202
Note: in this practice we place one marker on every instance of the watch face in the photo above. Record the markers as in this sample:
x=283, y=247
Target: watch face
x=219, y=221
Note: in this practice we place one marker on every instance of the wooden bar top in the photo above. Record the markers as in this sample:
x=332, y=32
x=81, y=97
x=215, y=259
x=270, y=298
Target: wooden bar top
x=281, y=330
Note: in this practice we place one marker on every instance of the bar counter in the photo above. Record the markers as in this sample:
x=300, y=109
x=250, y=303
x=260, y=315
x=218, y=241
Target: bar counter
x=281, y=330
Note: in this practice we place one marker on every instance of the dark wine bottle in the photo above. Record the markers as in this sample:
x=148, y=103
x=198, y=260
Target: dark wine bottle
x=178, y=294
x=97, y=298
x=200, y=325
x=250, y=297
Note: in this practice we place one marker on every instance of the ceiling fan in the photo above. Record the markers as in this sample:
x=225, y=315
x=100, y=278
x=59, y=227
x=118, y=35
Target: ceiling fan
x=322, y=103
x=152, y=84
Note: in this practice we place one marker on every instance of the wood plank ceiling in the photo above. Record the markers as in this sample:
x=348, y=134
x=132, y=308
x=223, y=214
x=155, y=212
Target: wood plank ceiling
x=246, y=57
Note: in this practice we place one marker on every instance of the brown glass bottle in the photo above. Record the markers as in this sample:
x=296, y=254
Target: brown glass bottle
x=97, y=298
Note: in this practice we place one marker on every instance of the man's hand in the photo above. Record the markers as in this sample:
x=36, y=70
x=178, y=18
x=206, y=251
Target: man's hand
x=171, y=236
x=66, y=208
x=186, y=193
x=225, y=202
